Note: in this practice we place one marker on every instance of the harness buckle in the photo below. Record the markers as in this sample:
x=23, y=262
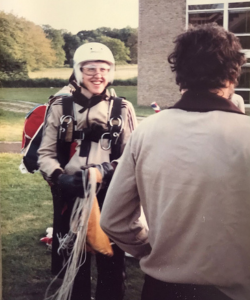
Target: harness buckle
x=66, y=128
x=63, y=118
x=119, y=123
x=115, y=121
x=101, y=143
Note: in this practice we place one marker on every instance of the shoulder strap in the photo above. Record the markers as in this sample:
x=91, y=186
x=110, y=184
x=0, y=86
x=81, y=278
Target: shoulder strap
x=67, y=105
x=66, y=131
x=115, y=127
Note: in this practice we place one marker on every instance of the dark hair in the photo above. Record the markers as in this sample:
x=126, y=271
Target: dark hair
x=206, y=56
x=72, y=77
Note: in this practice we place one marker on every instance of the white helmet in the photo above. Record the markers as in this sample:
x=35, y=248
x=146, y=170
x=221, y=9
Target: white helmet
x=93, y=52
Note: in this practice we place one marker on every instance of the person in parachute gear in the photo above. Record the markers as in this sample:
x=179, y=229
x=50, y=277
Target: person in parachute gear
x=92, y=144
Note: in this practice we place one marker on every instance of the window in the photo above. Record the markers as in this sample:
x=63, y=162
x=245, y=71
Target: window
x=203, y=18
x=208, y=13
x=234, y=16
x=243, y=87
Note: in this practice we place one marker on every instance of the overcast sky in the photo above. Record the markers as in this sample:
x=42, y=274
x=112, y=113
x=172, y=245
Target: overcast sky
x=75, y=15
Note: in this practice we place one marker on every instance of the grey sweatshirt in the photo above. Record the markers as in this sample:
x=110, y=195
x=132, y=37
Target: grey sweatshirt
x=190, y=171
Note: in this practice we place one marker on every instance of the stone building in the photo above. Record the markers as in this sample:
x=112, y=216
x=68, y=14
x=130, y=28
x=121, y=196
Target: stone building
x=160, y=21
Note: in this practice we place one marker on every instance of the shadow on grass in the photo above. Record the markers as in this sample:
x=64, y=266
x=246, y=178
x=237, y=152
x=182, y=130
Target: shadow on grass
x=26, y=268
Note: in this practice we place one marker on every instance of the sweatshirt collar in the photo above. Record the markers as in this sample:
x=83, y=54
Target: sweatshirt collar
x=205, y=101
x=85, y=99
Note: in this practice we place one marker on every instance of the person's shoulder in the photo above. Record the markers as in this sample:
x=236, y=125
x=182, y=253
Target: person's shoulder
x=57, y=98
x=154, y=120
x=125, y=104
x=236, y=96
x=237, y=99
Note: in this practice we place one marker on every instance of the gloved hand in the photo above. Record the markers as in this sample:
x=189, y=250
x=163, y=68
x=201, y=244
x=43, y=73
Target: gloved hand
x=71, y=184
x=107, y=171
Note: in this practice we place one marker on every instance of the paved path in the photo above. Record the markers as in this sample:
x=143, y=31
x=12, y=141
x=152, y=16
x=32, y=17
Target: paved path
x=10, y=147
x=17, y=106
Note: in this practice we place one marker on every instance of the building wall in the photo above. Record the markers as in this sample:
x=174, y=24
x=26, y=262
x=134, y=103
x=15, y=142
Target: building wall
x=159, y=22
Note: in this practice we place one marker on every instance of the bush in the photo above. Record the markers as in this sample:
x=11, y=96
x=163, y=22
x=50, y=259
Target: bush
x=40, y=82
x=48, y=82
x=10, y=67
x=131, y=81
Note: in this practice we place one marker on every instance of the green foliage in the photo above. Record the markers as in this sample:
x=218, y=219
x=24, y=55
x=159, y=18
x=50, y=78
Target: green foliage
x=26, y=42
x=128, y=35
x=89, y=35
x=132, y=44
x=117, y=47
x=39, y=82
x=11, y=68
x=57, y=43
x=126, y=82
x=71, y=43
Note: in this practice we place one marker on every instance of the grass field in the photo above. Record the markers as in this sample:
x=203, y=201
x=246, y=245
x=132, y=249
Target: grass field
x=26, y=209
x=41, y=95
x=12, y=123
x=122, y=72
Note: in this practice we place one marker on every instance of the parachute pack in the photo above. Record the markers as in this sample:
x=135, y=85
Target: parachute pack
x=34, y=122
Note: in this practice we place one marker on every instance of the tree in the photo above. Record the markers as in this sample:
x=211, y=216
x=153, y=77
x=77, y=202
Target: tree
x=88, y=35
x=132, y=44
x=120, y=52
x=128, y=35
x=11, y=68
x=26, y=42
x=57, y=43
x=71, y=43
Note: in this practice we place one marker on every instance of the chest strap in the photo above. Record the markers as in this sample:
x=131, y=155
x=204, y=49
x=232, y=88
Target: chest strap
x=93, y=134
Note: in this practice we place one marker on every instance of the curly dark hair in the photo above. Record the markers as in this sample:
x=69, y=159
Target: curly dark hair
x=206, y=56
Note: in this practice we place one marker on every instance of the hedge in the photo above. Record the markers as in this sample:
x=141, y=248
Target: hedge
x=48, y=82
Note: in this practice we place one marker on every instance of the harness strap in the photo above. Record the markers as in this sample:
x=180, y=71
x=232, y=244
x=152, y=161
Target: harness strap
x=115, y=128
x=91, y=135
x=65, y=134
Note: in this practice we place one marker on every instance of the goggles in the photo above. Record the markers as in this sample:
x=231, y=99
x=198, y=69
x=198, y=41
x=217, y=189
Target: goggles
x=92, y=70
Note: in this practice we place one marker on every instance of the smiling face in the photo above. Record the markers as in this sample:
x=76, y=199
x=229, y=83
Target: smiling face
x=95, y=76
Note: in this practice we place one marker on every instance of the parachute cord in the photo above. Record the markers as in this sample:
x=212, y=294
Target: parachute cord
x=75, y=241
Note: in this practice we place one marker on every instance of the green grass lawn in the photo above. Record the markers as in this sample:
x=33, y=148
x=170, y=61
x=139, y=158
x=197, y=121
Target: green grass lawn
x=41, y=95
x=26, y=212
x=11, y=123
x=36, y=95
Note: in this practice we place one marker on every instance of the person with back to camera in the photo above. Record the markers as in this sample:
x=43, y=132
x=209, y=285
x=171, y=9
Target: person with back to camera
x=92, y=145
x=188, y=166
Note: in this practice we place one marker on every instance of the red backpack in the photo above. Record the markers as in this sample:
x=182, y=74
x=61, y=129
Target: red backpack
x=33, y=131
x=33, y=121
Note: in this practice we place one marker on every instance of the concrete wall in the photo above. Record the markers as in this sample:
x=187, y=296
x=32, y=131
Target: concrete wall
x=160, y=21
